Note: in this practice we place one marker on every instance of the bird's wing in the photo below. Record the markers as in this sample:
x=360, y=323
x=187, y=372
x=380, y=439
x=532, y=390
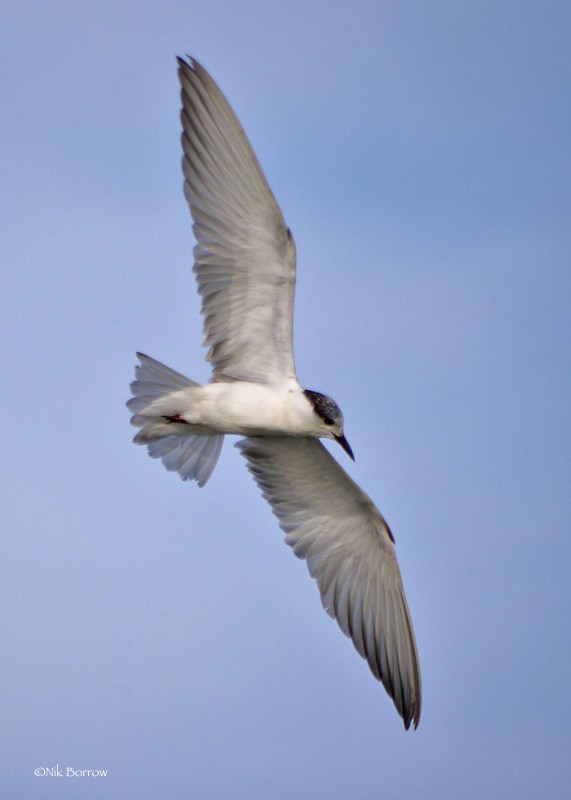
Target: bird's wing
x=331, y=523
x=245, y=256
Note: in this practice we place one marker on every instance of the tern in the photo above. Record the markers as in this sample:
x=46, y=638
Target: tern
x=245, y=265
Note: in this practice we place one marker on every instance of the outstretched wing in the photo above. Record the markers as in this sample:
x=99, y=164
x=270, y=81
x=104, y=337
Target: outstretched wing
x=331, y=523
x=245, y=256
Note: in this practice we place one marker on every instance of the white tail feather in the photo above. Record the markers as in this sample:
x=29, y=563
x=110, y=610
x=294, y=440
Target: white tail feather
x=193, y=457
x=154, y=380
x=178, y=445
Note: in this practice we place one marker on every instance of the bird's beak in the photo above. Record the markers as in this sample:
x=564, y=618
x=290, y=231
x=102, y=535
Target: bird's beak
x=345, y=445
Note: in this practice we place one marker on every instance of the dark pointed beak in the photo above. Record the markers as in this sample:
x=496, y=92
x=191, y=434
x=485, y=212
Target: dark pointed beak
x=345, y=445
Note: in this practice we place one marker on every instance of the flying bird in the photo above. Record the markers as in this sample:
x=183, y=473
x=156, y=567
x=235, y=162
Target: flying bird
x=245, y=265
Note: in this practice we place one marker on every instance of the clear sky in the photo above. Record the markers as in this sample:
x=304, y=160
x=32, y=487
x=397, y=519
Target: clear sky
x=421, y=155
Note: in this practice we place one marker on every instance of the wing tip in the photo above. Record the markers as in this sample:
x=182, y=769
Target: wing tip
x=411, y=715
x=186, y=62
x=188, y=65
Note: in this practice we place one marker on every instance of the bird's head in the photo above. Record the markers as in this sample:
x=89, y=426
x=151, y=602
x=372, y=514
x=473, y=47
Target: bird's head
x=330, y=419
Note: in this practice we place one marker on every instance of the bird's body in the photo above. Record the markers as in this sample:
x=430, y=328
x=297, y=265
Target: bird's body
x=241, y=407
x=245, y=264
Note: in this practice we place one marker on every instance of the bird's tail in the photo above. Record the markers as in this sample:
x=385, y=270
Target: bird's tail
x=192, y=455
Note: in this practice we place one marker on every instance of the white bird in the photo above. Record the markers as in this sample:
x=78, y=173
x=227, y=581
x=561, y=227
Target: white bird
x=245, y=265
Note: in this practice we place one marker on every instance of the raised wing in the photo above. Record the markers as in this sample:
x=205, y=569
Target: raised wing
x=245, y=256
x=331, y=523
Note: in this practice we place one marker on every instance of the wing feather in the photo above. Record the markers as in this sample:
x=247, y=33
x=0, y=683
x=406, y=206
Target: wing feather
x=332, y=524
x=245, y=255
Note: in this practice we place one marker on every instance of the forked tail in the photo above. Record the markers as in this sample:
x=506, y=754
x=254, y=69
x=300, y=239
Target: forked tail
x=192, y=455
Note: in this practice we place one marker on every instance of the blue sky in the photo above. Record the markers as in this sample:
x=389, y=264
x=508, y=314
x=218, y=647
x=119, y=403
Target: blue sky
x=420, y=154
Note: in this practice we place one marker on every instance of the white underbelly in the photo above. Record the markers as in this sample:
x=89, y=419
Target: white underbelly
x=247, y=409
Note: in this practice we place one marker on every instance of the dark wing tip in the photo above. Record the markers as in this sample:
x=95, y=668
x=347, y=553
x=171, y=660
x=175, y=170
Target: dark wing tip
x=412, y=716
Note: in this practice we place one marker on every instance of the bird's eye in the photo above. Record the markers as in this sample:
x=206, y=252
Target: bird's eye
x=328, y=421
